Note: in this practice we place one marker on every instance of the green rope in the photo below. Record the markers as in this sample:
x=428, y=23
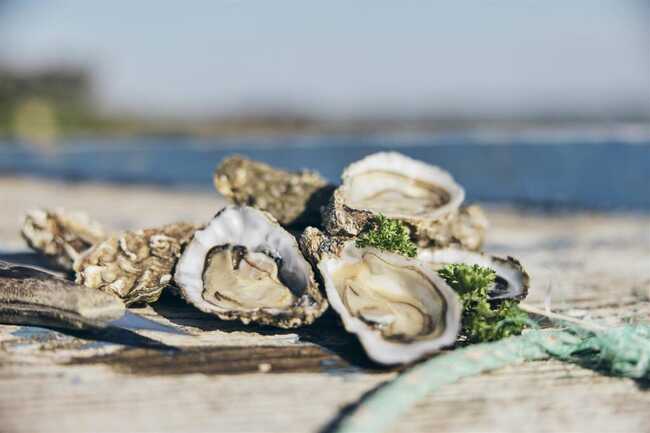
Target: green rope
x=622, y=351
x=619, y=351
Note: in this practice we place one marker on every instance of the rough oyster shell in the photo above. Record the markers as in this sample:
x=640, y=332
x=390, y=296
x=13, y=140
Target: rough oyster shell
x=244, y=265
x=62, y=236
x=512, y=281
x=292, y=198
x=399, y=308
x=464, y=227
x=134, y=265
x=424, y=197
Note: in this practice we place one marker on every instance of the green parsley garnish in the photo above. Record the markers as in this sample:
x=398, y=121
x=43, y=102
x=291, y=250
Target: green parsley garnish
x=483, y=320
x=389, y=235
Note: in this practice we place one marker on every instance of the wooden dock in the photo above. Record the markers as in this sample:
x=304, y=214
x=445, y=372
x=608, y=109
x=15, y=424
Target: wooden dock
x=227, y=377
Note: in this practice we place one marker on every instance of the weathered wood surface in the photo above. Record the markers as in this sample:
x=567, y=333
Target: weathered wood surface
x=231, y=378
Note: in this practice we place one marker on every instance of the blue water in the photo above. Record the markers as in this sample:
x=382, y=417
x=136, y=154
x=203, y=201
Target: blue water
x=610, y=174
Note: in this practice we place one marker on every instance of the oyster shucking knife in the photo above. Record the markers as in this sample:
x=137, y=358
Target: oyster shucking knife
x=32, y=296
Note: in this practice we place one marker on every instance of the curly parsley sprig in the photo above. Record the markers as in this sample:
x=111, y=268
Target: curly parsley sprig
x=483, y=320
x=389, y=235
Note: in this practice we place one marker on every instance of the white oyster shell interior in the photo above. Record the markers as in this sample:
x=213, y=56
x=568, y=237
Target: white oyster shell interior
x=399, y=308
x=400, y=187
x=242, y=262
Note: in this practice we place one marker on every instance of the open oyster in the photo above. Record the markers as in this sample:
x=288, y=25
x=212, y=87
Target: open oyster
x=511, y=282
x=399, y=308
x=244, y=265
x=423, y=196
x=292, y=198
x=60, y=235
x=134, y=265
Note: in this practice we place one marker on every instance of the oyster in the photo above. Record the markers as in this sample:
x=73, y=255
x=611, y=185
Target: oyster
x=134, y=265
x=512, y=281
x=399, y=308
x=292, y=198
x=60, y=235
x=423, y=196
x=244, y=265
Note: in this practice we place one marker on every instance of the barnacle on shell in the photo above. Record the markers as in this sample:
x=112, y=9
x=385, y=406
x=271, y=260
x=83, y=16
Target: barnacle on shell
x=134, y=265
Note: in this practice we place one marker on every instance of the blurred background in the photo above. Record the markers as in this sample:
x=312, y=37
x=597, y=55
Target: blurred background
x=538, y=103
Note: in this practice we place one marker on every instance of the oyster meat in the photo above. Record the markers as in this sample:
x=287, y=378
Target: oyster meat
x=134, y=265
x=244, y=265
x=423, y=196
x=399, y=308
x=292, y=198
x=62, y=236
x=511, y=281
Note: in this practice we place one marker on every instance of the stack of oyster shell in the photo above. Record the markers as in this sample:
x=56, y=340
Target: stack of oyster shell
x=247, y=264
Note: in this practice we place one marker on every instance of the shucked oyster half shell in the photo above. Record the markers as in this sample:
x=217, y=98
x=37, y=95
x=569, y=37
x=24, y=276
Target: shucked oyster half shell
x=399, y=308
x=423, y=196
x=291, y=197
x=512, y=281
x=244, y=265
x=134, y=265
x=60, y=235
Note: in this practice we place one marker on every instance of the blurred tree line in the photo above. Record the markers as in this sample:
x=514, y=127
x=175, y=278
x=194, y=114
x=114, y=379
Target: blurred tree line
x=42, y=105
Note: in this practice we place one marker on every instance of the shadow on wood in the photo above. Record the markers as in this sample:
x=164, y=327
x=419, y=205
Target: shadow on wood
x=326, y=332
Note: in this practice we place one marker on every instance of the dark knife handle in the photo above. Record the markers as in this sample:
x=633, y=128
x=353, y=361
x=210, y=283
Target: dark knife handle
x=29, y=296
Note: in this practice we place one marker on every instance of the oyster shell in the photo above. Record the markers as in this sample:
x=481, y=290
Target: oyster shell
x=61, y=235
x=512, y=281
x=134, y=265
x=423, y=196
x=244, y=265
x=464, y=227
x=292, y=198
x=399, y=308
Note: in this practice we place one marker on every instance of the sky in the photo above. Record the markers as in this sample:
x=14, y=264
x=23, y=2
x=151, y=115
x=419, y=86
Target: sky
x=343, y=58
